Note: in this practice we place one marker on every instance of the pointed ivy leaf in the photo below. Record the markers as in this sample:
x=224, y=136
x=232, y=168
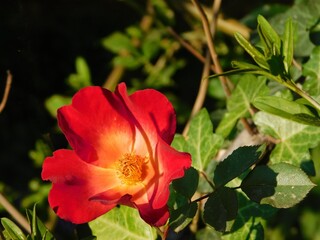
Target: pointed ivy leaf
x=238, y=105
x=11, y=230
x=257, y=56
x=221, y=207
x=179, y=143
x=281, y=185
x=235, y=164
x=295, y=139
x=202, y=143
x=311, y=70
x=122, y=223
x=38, y=229
x=181, y=217
x=187, y=185
x=287, y=109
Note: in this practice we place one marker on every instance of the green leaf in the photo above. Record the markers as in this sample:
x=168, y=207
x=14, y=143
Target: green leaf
x=122, y=223
x=269, y=37
x=235, y=164
x=208, y=233
x=118, y=43
x=287, y=109
x=179, y=143
x=38, y=229
x=127, y=61
x=82, y=77
x=187, y=185
x=56, y=101
x=281, y=185
x=287, y=48
x=202, y=143
x=163, y=11
x=311, y=70
x=295, y=139
x=249, y=220
x=11, y=230
x=257, y=56
x=221, y=207
x=238, y=105
x=181, y=217
x=305, y=15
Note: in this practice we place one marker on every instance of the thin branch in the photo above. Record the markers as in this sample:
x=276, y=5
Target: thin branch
x=14, y=213
x=6, y=91
x=190, y=48
x=209, y=33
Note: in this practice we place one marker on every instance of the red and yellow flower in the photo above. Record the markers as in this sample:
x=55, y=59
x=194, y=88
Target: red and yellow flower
x=121, y=155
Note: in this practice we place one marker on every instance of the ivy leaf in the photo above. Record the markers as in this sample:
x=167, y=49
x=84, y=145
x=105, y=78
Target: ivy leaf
x=295, y=139
x=281, y=185
x=311, y=70
x=201, y=142
x=122, y=223
x=248, y=88
x=11, y=230
x=221, y=207
x=181, y=217
x=235, y=164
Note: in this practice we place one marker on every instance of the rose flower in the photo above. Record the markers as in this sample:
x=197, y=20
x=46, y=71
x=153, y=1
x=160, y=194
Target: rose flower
x=121, y=155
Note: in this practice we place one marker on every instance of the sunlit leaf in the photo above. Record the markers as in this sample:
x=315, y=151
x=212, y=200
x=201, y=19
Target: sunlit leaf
x=235, y=164
x=287, y=48
x=202, y=143
x=11, y=230
x=221, y=207
x=295, y=139
x=118, y=43
x=238, y=105
x=257, y=56
x=311, y=70
x=281, y=185
x=122, y=223
x=181, y=217
x=208, y=233
x=269, y=37
x=287, y=109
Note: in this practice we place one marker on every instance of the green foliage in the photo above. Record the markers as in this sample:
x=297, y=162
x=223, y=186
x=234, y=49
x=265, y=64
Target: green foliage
x=11, y=230
x=311, y=70
x=295, y=139
x=201, y=142
x=235, y=164
x=123, y=223
x=281, y=185
x=238, y=105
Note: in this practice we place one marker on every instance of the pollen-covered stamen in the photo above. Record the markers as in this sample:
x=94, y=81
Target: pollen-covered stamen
x=131, y=168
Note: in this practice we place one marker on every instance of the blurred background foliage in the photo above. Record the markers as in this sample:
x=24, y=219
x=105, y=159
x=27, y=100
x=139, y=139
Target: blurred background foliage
x=54, y=48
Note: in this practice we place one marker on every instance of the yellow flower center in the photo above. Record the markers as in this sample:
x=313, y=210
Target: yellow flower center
x=131, y=168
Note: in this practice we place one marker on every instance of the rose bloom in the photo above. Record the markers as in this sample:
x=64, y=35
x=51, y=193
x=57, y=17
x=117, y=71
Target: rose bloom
x=121, y=155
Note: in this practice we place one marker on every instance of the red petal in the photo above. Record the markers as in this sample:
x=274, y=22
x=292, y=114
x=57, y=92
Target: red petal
x=172, y=165
x=97, y=126
x=151, y=108
x=74, y=183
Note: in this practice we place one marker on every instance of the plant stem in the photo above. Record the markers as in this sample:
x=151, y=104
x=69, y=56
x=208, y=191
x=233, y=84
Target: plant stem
x=6, y=91
x=14, y=213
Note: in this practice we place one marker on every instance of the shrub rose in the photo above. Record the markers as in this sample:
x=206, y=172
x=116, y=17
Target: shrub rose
x=121, y=155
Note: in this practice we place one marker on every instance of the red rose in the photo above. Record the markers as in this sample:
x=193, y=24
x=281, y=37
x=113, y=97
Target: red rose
x=121, y=155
